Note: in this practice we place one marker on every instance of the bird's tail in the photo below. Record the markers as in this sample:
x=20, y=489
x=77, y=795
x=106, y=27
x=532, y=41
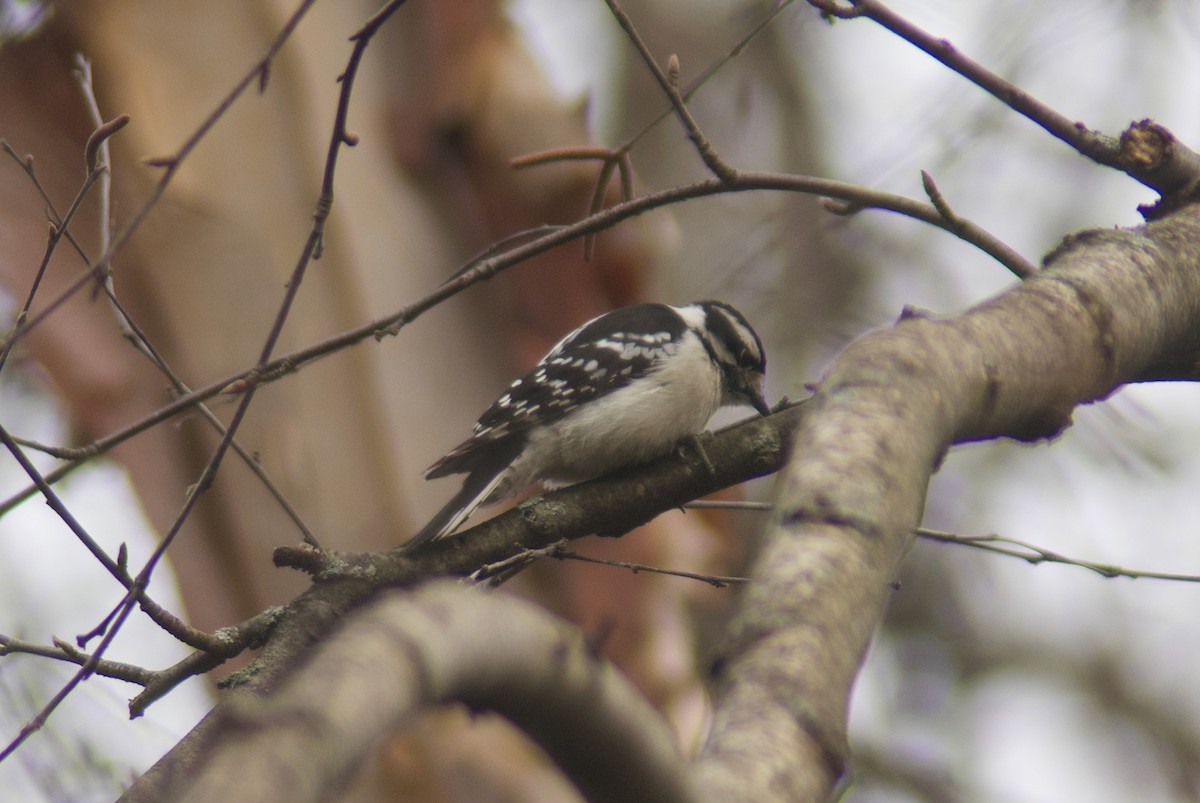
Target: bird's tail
x=475, y=490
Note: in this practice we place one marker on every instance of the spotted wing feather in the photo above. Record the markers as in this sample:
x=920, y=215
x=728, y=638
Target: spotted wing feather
x=597, y=358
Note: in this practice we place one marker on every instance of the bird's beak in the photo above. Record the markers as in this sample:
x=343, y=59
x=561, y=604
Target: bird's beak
x=754, y=394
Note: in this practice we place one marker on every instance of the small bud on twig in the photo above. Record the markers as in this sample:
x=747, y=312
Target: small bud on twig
x=160, y=161
x=91, y=153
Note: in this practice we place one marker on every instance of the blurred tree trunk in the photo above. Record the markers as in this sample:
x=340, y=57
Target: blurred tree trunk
x=444, y=99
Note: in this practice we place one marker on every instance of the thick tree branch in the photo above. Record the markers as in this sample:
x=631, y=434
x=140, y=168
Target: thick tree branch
x=440, y=644
x=606, y=506
x=1111, y=307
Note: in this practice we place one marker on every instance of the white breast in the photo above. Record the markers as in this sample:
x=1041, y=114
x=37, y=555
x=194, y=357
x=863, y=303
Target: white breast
x=635, y=424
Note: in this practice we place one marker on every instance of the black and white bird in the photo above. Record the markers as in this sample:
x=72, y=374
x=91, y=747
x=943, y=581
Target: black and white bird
x=622, y=389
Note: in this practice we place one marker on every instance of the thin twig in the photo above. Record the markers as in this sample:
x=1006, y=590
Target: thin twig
x=718, y=581
x=936, y=198
x=709, y=72
x=1093, y=144
x=501, y=570
x=715, y=163
x=609, y=159
x=730, y=504
x=64, y=651
x=1030, y=553
x=27, y=165
x=23, y=322
x=158, y=614
x=620, y=156
x=955, y=224
x=246, y=635
x=570, y=153
x=1099, y=147
x=527, y=235
x=58, y=452
x=1033, y=554
x=155, y=683
x=83, y=71
x=498, y=572
x=55, y=503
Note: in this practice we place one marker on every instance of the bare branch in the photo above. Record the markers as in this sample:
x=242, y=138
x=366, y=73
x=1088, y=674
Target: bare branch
x=60, y=509
x=880, y=421
x=58, y=229
x=128, y=327
x=233, y=640
x=440, y=644
x=1175, y=175
x=1033, y=554
x=500, y=570
x=964, y=228
x=709, y=72
x=996, y=544
x=84, y=73
x=570, y=153
x=717, y=581
x=608, y=506
x=63, y=651
x=671, y=88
